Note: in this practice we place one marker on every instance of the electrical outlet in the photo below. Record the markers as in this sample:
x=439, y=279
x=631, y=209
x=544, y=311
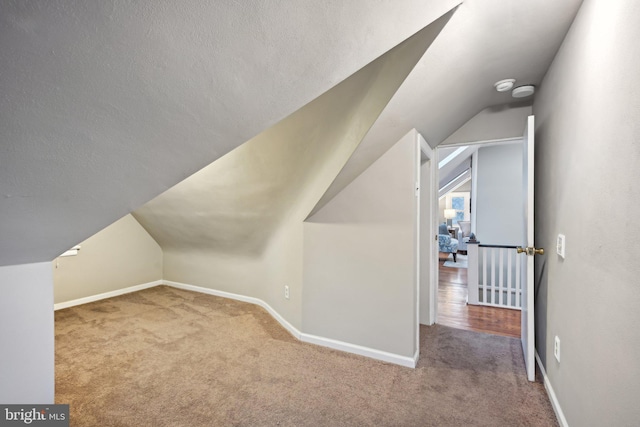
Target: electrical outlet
x=560, y=244
x=556, y=348
x=286, y=292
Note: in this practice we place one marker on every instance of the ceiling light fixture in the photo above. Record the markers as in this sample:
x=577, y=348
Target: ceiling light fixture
x=523, y=91
x=504, y=85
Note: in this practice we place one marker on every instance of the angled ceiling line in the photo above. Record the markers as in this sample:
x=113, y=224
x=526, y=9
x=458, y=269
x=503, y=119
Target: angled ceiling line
x=236, y=204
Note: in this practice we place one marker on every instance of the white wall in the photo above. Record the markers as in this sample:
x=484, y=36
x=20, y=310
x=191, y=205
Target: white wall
x=587, y=156
x=120, y=256
x=442, y=205
x=466, y=187
x=26, y=334
x=499, y=194
x=359, y=258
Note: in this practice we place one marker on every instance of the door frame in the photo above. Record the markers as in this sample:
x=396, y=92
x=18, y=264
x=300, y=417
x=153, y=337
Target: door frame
x=435, y=274
x=428, y=154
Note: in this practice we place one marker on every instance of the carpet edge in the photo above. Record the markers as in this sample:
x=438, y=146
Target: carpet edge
x=105, y=295
x=406, y=361
x=397, y=359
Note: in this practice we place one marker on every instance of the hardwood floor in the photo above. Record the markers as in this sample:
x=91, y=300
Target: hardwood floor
x=453, y=310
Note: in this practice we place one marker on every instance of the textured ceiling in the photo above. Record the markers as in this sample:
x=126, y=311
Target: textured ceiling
x=107, y=104
x=236, y=204
x=485, y=41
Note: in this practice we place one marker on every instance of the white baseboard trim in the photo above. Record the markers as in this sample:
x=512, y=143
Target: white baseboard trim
x=552, y=395
x=105, y=295
x=312, y=339
x=288, y=326
x=384, y=356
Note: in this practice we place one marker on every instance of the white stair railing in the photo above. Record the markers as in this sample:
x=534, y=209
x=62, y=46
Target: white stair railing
x=494, y=276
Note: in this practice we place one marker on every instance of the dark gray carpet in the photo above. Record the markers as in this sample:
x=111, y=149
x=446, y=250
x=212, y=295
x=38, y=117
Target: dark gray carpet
x=167, y=357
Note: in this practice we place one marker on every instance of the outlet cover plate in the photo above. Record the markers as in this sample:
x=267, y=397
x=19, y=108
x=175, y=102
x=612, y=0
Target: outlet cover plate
x=556, y=348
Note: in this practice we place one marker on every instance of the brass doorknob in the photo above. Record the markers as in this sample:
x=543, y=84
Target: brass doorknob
x=530, y=250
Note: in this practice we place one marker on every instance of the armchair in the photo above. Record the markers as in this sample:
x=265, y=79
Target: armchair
x=447, y=244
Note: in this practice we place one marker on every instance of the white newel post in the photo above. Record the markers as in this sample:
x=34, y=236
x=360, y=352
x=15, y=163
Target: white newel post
x=472, y=272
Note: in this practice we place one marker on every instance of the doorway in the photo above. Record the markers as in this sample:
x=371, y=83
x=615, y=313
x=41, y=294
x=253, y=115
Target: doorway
x=490, y=211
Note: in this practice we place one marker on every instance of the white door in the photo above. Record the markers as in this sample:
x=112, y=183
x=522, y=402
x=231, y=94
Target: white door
x=527, y=316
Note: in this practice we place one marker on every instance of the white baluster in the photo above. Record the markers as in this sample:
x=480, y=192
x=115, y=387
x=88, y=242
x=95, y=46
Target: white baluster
x=472, y=253
x=485, y=283
x=518, y=261
x=493, y=275
x=509, y=282
x=501, y=275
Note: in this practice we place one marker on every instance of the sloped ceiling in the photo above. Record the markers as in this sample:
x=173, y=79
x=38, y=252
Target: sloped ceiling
x=234, y=205
x=485, y=41
x=496, y=122
x=107, y=104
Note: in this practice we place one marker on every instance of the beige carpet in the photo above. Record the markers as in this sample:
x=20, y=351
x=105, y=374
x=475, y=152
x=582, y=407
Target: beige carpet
x=167, y=357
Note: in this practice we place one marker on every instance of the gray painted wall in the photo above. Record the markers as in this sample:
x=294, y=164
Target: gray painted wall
x=499, y=198
x=120, y=256
x=26, y=334
x=236, y=225
x=359, y=258
x=588, y=152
